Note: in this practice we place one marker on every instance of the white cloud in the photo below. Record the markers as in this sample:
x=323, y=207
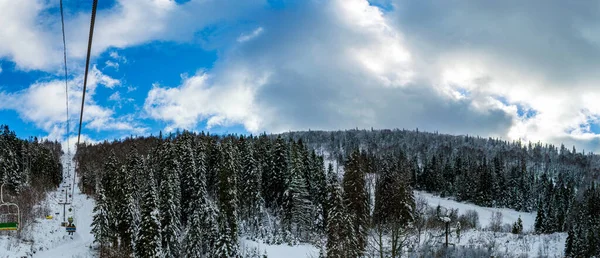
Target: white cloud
x=343, y=64
x=115, y=96
x=535, y=62
x=220, y=101
x=24, y=38
x=116, y=59
x=115, y=55
x=330, y=66
x=112, y=64
x=44, y=104
x=32, y=35
x=255, y=33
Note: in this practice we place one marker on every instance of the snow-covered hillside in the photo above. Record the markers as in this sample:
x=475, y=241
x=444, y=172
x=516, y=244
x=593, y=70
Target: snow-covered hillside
x=500, y=243
x=45, y=237
x=509, y=216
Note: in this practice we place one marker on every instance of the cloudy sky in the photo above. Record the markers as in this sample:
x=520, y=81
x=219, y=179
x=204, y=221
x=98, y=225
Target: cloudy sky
x=511, y=69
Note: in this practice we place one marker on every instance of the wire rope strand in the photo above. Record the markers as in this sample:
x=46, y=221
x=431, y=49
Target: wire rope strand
x=87, y=66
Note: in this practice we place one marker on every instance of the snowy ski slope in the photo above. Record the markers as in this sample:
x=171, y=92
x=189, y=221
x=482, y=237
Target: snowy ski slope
x=46, y=238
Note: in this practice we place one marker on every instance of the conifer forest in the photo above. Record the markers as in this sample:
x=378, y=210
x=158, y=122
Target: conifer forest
x=350, y=193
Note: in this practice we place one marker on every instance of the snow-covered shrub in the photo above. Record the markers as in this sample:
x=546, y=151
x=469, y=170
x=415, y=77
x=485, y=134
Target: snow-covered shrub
x=496, y=222
x=469, y=220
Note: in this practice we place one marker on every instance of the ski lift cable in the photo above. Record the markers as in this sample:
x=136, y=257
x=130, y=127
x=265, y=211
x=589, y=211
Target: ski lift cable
x=87, y=65
x=62, y=22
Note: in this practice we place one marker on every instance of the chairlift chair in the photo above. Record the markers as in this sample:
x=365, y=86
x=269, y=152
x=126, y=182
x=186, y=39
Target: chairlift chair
x=10, y=215
x=70, y=227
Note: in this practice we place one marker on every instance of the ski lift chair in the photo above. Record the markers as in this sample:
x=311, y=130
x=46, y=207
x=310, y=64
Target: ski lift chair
x=10, y=218
x=10, y=215
x=70, y=227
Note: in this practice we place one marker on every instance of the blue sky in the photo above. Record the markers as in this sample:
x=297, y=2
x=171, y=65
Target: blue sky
x=276, y=65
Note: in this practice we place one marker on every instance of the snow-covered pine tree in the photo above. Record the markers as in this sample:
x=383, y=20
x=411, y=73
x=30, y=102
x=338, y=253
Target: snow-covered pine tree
x=169, y=202
x=540, y=220
x=262, y=155
x=330, y=175
x=148, y=241
x=110, y=179
x=356, y=199
x=193, y=239
x=276, y=174
x=247, y=169
x=486, y=184
x=226, y=246
x=298, y=209
x=517, y=227
x=394, y=203
x=569, y=243
x=11, y=170
x=499, y=182
x=341, y=238
x=189, y=175
x=249, y=188
x=318, y=191
x=208, y=224
x=227, y=200
x=202, y=230
x=100, y=223
x=213, y=160
x=128, y=208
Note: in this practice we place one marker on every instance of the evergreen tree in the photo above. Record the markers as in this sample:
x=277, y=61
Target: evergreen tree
x=319, y=192
x=189, y=176
x=299, y=209
x=356, y=199
x=226, y=246
x=540, y=221
x=276, y=174
x=341, y=239
x=100, y=224
x=394, y=203
x=113, y=190
x=249, y=184
x=193, y=239
x=227, y=193
x=486, y=186
x=169, y=205
x=127, y=210
x=499, y=183
x=518, y=226
x=569, y=244
x=148, y=242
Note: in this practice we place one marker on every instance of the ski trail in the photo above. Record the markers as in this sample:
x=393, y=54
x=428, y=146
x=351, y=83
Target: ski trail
x=51, y=240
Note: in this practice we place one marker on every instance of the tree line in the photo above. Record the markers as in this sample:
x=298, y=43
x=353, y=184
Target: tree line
x=349, y=192
x=194, y=195
x=29, y=168
x=561, y=185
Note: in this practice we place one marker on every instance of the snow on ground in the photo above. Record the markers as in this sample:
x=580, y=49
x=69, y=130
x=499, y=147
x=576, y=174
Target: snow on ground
x=297, y=251
x=46, y=238
x=10, y=247
x=509, y=244
x=509, y=216
x=552, y=245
